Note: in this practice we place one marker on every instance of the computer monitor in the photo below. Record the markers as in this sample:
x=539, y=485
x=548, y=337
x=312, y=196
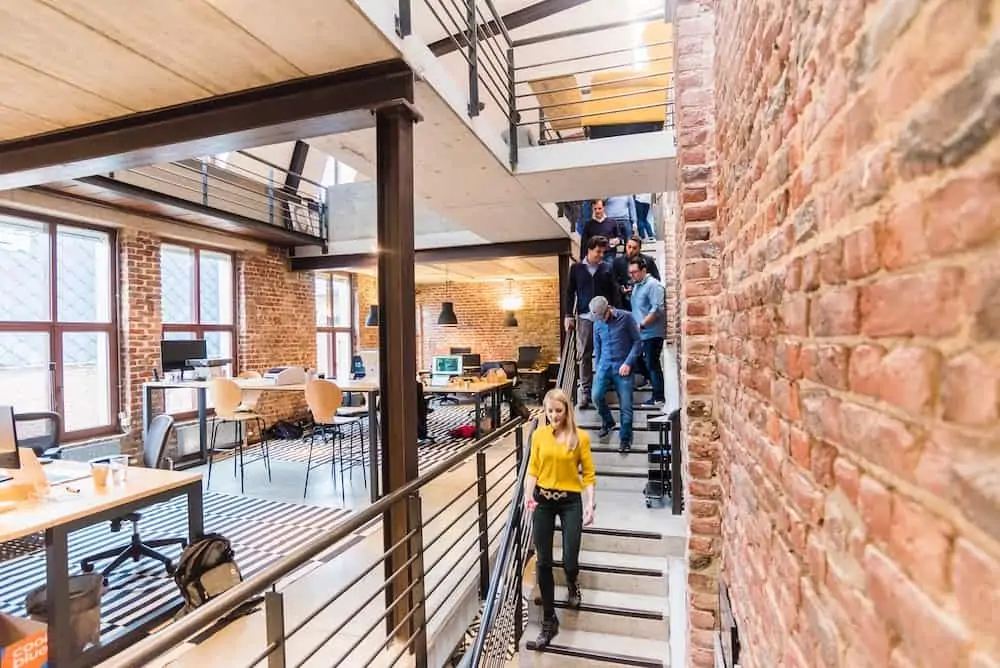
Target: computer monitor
x=370, y=360
x=527, y=356
x=9, y=457
x=174, y=354
x=450, y=365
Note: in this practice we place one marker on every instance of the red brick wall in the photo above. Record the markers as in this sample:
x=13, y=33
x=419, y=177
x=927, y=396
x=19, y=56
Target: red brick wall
x=858, y=387
x=480, y=318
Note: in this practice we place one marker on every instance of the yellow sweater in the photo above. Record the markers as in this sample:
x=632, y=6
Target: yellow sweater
x=555, y=467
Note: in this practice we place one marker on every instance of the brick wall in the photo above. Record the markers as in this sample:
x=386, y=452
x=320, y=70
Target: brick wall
x=480, y=318
x=859, y=329
x=276, y=324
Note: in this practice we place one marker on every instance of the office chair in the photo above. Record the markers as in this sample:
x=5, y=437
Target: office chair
x=324, y=398
x=40, y=432
x=154, y=450
x=227, y=399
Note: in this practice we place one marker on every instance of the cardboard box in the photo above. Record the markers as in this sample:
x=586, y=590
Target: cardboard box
x=23, y=643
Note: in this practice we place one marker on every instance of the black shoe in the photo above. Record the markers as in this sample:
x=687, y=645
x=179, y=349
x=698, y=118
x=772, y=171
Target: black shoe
x=584, y=405
x=606, y=429
x=550, y=629
x=575, y=596
x=624, y=447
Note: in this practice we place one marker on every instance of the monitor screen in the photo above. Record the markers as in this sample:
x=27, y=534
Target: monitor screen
x=448, y=364
x=175, y=354
x=9, y=458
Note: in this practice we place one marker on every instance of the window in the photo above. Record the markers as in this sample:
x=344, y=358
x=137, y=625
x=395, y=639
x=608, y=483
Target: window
x=198, y=302
x=58, y=346
x=334, y=314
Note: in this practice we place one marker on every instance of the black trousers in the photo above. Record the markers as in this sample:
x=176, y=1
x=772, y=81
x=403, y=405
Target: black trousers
x=569, y=510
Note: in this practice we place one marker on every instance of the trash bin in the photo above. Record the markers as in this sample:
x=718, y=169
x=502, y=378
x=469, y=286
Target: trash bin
x=84, y=608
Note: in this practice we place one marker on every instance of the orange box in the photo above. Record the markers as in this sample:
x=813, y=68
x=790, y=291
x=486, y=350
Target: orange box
x=23, y=643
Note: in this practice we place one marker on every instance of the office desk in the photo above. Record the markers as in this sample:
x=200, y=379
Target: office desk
x=252, y=389
x=64, y=512
x=478, y=390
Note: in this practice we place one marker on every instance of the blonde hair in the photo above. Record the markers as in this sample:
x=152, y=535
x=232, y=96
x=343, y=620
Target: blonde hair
x=572, y=438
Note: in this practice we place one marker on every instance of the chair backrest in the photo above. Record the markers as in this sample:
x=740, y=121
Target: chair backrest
x=154, y=447
x=38, y=431
x=323, y=398
x=226, y=396
x=559, y=97
x=250, y=375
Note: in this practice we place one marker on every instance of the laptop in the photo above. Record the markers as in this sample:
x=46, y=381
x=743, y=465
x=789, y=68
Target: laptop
x=9, y=455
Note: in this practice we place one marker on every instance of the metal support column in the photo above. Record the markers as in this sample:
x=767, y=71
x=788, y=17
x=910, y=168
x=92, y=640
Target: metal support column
x=397, y=343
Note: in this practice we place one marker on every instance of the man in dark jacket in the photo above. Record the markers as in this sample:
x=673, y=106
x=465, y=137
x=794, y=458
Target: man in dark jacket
x=600, y=225
x=633, y=250
x=588, y=279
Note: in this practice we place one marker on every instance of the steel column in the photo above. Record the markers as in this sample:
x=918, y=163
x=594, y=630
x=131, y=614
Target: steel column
x=397, y=342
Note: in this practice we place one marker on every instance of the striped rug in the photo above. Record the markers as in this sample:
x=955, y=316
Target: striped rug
x=261, y=532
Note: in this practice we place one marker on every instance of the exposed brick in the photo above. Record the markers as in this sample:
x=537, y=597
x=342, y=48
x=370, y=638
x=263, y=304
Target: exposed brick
x=908, y=377
x=834, y=312
x=971, y=391
x=865, y=366
x=875, y=506
x=926, y=304
x=861, y=253
x=879, y=438
x=921, y=544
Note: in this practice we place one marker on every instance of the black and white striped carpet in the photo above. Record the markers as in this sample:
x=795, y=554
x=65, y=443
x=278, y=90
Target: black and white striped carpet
x=261, y=532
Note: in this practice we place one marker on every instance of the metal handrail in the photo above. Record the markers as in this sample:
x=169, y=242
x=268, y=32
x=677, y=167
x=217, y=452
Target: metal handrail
x=227, y=603
x=600, y=54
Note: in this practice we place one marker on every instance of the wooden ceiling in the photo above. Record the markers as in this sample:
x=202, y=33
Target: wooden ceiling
x=65, y=63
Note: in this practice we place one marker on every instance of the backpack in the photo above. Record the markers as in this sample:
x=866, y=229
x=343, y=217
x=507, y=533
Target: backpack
x=285, y=430
x=206, y=569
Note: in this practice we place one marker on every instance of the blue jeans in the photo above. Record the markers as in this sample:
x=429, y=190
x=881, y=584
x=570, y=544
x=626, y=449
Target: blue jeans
x=623, y=387
x=652, y=350
x=643, y=227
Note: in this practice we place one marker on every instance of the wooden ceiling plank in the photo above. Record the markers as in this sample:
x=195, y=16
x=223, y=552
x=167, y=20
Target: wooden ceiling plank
x=84, y=58
x=188, y=37
x=15, y=123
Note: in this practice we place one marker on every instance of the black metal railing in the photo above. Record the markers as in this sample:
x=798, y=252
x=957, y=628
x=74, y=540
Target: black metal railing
x=466, y=531
x=247, y=186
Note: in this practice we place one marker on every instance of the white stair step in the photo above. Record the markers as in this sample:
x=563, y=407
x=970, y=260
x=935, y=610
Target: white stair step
x=612, y=540
x=573, y=647
x=613, y=613
x=636, y=458
x=621, y=478
x=609, y=571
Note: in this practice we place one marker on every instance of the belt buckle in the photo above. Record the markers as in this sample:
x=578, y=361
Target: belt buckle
x=553, y=495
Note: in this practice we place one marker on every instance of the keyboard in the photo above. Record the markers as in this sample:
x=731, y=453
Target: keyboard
x=22, y=547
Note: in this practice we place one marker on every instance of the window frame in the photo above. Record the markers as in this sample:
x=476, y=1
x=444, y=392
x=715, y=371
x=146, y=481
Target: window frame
x=55, y=329
x=332, y=330
x=199, y=328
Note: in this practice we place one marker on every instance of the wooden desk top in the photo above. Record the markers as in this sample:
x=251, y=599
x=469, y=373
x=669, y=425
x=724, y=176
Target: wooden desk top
x=256, y=385
x=478, y=387
x=62, y=506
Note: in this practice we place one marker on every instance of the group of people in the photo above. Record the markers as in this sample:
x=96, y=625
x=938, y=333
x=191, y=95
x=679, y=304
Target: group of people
x=618, y=311
x=616, y=218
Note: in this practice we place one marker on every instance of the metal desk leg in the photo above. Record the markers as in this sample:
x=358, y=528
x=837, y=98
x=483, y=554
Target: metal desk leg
x=147, y=409
x=478, y=415
x=57, y=581
x=373, y=446
x=196, y=511
x=203, y=424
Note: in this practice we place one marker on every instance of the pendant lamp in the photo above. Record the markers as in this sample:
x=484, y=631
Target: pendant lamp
x=511, y=303
x=510, y=319
x=447, y=318
x=372, y=319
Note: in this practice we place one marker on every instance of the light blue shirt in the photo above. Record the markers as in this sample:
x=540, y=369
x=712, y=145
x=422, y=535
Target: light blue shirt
x=648, y=297
x=622, y=206
x=616, y=341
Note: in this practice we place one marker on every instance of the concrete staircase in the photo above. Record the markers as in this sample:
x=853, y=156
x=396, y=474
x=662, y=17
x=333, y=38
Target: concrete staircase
x=624, y=568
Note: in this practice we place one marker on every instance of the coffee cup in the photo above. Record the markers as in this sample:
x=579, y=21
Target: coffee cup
x=99, y=472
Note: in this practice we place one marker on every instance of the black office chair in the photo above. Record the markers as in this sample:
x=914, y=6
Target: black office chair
x=154, y=456
x=40, y=432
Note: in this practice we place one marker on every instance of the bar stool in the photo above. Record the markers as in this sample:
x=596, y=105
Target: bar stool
x=324, y=398
x=227, y=401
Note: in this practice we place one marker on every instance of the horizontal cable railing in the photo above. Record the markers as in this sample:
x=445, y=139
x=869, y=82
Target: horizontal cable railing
x=246, y=186
x=381, y=612
x=602, y=92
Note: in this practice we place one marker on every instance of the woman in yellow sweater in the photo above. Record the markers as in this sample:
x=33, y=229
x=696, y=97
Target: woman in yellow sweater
x=559, y=483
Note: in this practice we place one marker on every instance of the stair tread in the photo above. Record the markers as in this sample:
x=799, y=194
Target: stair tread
x=616, y=599
x=617, y=559
x=619, y=470
x=649, y=650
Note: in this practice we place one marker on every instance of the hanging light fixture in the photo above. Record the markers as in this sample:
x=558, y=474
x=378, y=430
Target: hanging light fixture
x=372, y=319
x=510, y=319
x=510, y=304
x=447, y=317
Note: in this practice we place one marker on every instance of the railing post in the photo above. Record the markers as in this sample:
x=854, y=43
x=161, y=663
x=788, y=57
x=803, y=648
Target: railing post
x=204, y=183
x=270, y=196
x=418, y=601
x=274, y=621
x=515, y=118
x=473, y=37
x=484, y=526
x=404, y=24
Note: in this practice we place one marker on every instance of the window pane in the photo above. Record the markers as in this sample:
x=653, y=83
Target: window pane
x=25, y=379
x=323, y=316
x=86, y=380
x=323, y=350
x=341, y=302
x=343, y=354
x=83, y=275
x=24, y=265
x=216, y=288
x=177, y=284
x=180, y=401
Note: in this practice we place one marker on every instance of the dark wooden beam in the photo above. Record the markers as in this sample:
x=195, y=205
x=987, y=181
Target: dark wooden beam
x=512, y=21
x=296, y=165
x=537, y=248
x=287, y=111
x=228, y=221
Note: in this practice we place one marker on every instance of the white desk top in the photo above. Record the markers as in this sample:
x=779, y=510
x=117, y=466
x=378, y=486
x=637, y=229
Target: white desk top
x=260, y=385
x=26, y=517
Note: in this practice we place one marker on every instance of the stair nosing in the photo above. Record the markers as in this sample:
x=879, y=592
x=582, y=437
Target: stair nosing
x=593, y=655
x=612, y=610
x=619, y=533
x=614, y=570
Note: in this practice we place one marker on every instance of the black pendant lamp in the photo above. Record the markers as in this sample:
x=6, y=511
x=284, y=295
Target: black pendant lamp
x=372, y=319
x=447, y=318
x=510, y=304
x=510, y=319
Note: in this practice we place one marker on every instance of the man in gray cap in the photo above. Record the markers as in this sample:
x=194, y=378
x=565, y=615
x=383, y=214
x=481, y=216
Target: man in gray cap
x=617, y=344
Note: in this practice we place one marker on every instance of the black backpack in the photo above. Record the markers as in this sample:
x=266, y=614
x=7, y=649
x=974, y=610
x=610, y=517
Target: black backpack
x=206, y=569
